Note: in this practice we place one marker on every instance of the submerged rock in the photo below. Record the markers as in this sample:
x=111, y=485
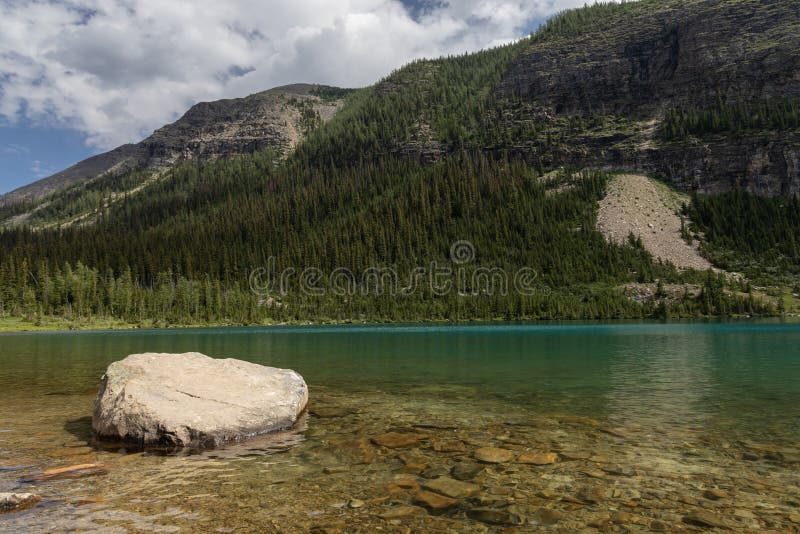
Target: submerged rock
x=494, y=517
x=538, y=458
x=494, y=455
x=434, y=501
x=452, y=488
x=703, y=518
x=466, y=470
x=191, y=400
x=14, y=502
x=397, y=440
x=547, y=516
x=399, y=512
x=71, y=471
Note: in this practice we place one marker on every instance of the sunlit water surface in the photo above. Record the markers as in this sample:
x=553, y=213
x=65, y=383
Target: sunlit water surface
x=727, y=383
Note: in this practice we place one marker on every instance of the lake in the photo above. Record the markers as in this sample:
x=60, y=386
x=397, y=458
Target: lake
x=647, y=425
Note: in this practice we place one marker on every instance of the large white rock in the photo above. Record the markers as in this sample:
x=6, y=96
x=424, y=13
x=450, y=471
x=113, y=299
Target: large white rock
x=191, y=400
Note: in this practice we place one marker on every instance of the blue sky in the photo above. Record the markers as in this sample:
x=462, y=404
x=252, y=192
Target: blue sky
x=29, y=152
x=81, y=77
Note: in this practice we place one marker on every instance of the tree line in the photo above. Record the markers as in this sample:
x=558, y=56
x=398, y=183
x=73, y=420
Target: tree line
x=731, y=118
x=746, y=233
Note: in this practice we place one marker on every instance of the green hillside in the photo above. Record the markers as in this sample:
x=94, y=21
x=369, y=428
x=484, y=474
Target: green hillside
x=439, y=152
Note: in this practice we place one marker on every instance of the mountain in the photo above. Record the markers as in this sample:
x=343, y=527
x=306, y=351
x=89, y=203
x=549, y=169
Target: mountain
x=724, y=76
x=117, y=159
x=278, y=119
x=503, y=156
x=701, y=93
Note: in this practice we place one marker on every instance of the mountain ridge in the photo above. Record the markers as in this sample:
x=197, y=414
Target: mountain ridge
x=274, y=118
x=633, y=63
x=622, y=66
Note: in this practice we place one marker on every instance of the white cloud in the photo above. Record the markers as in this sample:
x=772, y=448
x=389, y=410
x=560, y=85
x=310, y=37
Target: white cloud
x=117, y=69
x=15, y=150
x=40, y=169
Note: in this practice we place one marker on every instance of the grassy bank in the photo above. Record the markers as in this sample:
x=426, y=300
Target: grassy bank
x=50, y=324
x=61, y=324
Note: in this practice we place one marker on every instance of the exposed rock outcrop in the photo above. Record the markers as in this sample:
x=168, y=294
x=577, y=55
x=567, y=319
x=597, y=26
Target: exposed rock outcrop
x=657, y=53
x=649, y=57
x=209, y=130
x=767, y=165
x=191, y=400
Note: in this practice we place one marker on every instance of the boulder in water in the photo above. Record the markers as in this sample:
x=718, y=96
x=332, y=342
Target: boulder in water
x=191, y=400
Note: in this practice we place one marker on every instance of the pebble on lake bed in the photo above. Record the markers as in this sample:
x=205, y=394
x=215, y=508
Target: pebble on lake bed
x=397, y=440
x=494, y=517
x=452, y=488
x=433, y=500
x=71, y=471
x=703, y=518
x=14, y=502
x=538, y=458
x=494, y=455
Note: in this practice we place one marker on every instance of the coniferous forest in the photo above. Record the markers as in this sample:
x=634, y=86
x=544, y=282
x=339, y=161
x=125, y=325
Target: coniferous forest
x=732, y=118
x=183, y=257
x=749, y=234
x=406, y=169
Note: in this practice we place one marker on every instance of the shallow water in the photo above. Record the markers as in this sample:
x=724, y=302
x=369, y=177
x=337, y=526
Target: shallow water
x=687, y=407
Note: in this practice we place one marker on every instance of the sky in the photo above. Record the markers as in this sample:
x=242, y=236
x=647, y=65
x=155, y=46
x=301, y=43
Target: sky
x=79, y=77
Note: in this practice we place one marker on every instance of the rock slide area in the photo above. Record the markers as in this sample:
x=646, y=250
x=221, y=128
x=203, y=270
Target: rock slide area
x=648, y=209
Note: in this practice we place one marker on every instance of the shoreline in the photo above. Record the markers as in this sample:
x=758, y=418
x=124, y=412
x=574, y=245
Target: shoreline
x=18, y=325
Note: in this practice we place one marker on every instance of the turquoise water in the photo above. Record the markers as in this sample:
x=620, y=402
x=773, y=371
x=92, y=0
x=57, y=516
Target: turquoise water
x=742, y=374
x=688, y=405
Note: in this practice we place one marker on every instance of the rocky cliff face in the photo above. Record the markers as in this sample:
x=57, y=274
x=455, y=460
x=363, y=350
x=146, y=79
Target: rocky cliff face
x=659, y=53
x=278, y=118
x=210, y=130
x=592, y=92
x=651, y=56
x=767, y=165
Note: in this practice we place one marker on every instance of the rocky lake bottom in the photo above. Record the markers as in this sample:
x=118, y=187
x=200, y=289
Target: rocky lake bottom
x=419, y=456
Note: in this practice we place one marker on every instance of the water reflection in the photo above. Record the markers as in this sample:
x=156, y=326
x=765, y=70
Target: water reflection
x=648, y=374
x=663, y=382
